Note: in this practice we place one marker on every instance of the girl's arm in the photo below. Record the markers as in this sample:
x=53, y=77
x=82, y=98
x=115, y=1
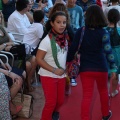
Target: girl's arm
x=108, y=51
x=40, y=60
x=74, y=46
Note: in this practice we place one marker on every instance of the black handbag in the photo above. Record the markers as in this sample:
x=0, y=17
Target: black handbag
x=19, y=53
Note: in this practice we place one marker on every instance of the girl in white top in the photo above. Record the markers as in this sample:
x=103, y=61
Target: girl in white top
x=52, y=71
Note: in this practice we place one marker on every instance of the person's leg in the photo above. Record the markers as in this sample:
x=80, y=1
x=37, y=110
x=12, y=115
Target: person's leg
x=114, y=87
x=14, y=109
x=102, y=81
x=31, y=67
x=49, y=86
x=60, y=93
x=87, y=79
x=60, y=97
x=15, y=88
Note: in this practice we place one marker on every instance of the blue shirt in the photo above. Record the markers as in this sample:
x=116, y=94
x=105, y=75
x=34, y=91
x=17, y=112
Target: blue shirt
x=95, y=50
x=85, y=5
x=76, y=17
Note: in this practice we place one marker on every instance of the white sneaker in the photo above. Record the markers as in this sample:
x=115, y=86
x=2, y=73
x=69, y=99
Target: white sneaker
x=113, y=94
x=73, y=82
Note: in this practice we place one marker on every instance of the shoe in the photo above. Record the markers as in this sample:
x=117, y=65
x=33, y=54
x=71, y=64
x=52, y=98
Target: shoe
x=107, y=117
x=55, y=116
x=113, y=94
x=18, y=109
x=73, y=82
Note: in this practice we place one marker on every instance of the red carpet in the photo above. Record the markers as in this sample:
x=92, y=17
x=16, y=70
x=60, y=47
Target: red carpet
x=72, y=106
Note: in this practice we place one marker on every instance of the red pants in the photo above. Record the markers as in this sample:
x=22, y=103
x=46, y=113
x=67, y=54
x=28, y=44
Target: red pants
x=54, y=92
x=88, y=79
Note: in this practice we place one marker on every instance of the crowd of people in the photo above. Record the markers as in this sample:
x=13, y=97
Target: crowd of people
x=51, y=32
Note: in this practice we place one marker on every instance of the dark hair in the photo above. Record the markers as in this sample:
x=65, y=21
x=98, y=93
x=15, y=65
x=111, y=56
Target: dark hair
x=38, y=15
x=52, y=19
x=113, y=16
x=59, y=7
x=95, y=18
x=114, y=1
x=21, y=4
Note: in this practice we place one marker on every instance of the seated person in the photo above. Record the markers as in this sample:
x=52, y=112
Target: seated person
x=18, y=20
x=6, y=44
x=14, y=77
x=4, y=96
x=6, y=105
x=35, y=31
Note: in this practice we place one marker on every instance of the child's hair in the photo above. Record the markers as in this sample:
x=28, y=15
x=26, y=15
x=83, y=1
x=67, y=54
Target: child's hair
x=114, y=17
x=21, y=4
x=95, y=18
x=52, y=19
x=38, y=16
x=59, y=7
x=114, y=1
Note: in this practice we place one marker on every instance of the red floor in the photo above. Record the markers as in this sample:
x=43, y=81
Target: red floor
x=71, y=108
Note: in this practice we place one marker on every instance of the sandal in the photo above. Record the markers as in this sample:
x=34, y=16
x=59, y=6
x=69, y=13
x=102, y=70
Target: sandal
x=18, y=109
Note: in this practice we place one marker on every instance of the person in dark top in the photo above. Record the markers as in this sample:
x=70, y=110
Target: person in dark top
x=8, y=7
x=86, y=3
x=95, y=53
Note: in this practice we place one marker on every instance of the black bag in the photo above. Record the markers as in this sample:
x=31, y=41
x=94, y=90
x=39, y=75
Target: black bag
x=19, y=55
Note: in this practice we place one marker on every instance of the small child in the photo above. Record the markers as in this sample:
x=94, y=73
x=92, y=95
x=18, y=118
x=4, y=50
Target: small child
x=114, y=4
x=85, y=4
x=76, y=14
x=51, y=56
x=35, y=32
x=113, y=18
x=76, y=21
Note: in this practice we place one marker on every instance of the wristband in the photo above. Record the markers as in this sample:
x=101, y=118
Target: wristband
x=53, y=70
x=9, y=72
x=4, y=44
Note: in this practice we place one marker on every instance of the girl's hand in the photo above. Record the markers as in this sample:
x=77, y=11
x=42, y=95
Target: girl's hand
x=59, y=71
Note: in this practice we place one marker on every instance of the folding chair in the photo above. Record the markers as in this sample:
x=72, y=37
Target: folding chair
x=10, y=57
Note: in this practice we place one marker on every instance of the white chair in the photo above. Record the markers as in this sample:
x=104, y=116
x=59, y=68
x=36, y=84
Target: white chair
x=4, y=53
x=17, y=36
x=3, y=56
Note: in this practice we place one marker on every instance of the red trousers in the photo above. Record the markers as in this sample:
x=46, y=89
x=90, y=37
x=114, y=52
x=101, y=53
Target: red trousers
x=88, y=79
x=54, y=92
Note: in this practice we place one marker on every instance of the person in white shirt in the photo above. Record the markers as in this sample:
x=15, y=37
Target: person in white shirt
x=114, y=4
x=18, y=20
x=35, y=31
